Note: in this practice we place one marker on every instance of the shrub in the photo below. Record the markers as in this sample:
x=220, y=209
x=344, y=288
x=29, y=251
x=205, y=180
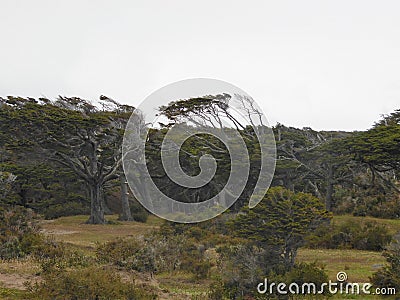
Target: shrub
x=156, y=253
x=138, y=213
x=53, y=255
x=93, y=283
x=389, y=276
x=141, y=216
x=243, y=266
x=19, y=232
x=130, y=254
x=307, y=273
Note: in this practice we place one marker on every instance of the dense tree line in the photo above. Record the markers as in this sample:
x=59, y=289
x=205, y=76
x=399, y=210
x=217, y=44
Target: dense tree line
x=67, y=153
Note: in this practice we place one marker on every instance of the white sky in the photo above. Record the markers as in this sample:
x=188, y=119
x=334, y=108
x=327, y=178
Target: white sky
x=323, y=64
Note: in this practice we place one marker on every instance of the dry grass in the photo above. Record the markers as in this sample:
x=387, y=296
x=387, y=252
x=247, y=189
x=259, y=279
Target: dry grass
x=14, y=274
x=18, y=266
x=73, y=230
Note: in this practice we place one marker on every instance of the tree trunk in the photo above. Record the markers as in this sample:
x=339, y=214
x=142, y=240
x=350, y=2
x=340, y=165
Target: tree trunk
x=96, y=207
x=126, y=211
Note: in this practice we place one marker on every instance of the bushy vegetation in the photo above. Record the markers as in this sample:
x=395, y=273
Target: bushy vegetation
x=156, y=253
x=351, y=235
x=128, y=254
x=241, y=274
x=389, y=275
x=19, y=233
x=138, y=212
x=369, y=201
x=243, y=266
x=281, y=221
x=92, y=283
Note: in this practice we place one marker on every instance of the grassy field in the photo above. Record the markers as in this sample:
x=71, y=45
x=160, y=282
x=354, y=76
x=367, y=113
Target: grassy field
x=359, y=265
x=73, y=230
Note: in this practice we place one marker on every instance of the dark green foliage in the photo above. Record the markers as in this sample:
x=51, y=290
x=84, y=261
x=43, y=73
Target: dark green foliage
x=379, y=147
x=67, y=209
x=371, y=199
x=36, y=133
x=195, y=106
x=281, y=221
x=190, y=153
x=46, y=188
x=312, y=161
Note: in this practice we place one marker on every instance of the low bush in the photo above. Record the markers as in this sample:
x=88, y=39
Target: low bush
x=138, y=212
x=129, y=254
x=389, y=275
x=156, y=253
x=242, y=266
x=53, y=255
x=307, y=273
x=19, y=232
x=93, y=283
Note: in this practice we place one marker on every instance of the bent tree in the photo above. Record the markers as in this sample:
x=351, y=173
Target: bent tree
x=75, y=134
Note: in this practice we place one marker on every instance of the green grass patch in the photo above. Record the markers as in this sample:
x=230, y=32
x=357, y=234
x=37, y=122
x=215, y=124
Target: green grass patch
x=358, y=265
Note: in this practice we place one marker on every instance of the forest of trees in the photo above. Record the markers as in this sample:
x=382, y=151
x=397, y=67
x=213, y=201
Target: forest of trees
x=68, y=152
x=64, y=157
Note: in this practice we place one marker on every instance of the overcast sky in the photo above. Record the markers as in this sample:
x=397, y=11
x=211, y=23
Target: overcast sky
x=323, y=64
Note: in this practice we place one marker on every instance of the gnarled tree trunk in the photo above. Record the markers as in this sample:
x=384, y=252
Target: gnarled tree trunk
x=96, y=207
